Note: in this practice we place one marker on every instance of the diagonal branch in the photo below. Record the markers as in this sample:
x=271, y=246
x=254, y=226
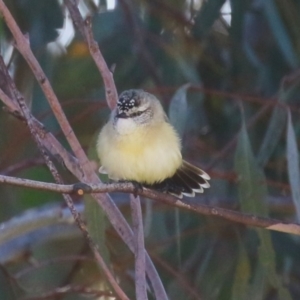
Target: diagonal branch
x=86, y=31
x=22, y=44
x=38, y=139
x=83, y=170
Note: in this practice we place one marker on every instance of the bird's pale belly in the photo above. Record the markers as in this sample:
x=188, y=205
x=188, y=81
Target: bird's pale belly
x=143, y=158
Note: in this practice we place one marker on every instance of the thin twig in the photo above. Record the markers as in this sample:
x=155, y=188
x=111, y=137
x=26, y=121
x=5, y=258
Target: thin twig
x=22, y=44
x=230, y=145
x=35, y=134
x=86, y=30
x=127, y=187
x=115, y=216
x=138, y=230
x=83, y=170
x=24, y=164
x=111, y=96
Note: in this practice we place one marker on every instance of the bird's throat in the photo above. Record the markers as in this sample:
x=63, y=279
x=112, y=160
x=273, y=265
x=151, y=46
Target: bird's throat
x=125, y=126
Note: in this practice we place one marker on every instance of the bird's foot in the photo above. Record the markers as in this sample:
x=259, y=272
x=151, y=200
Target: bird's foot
x=166, y=186
x=138, y=187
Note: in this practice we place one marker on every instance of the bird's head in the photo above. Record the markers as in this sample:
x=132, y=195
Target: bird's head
x=138, y=106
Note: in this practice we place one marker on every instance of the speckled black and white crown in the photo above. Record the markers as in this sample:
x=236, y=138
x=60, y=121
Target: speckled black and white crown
x=129, y=99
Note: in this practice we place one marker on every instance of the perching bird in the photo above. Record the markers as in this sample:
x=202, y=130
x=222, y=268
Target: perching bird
x=139, y=144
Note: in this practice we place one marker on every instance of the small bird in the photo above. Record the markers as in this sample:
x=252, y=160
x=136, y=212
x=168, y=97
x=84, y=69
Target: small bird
x=139, y=144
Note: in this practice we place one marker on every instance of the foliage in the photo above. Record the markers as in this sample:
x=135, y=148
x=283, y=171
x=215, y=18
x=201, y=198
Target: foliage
x=232, y=90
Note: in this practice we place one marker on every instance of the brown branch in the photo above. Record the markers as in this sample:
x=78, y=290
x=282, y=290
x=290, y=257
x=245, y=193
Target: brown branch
x=24, y=164
x=116, y=218
x=138, y=231
x=82, y=170
x=139, y=36
x=285, y=85
x=86, y=30
x=190, y=290
x=37, y=136
x=230, y=215
x=22, y=44
x=231, y=144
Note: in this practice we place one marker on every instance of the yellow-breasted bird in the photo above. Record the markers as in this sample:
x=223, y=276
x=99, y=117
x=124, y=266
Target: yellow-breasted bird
x=139, y=144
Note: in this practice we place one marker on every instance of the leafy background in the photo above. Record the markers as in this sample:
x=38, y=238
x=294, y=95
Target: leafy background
x=231, y=88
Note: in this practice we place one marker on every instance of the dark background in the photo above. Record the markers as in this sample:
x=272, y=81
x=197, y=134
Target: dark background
x=243, y=81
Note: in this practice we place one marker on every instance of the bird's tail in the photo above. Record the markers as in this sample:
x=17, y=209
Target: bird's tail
x=188, y=180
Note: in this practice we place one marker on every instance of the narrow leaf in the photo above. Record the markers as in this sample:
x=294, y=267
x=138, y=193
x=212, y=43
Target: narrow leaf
x=293, y=164
x=280, y=32
x=257, y=289
x=252, y=196
x=242, y=275
x=271, y=139
x=178, y=109
x=252, y=187
x=276, y=125
x=96, y=223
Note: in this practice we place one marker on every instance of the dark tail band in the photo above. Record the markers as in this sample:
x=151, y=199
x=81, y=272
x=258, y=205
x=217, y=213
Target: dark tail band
x=188, y=180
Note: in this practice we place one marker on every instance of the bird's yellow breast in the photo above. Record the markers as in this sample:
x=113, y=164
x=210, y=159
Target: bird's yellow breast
x=148, y=154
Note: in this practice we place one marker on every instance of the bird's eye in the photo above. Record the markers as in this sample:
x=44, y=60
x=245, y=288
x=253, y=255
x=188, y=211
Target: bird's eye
x=136, y=114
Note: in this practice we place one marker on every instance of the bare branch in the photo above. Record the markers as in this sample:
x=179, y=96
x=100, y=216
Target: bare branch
x=22, y=44
x=138, y=230
x=111, y=97
x=127, y=187
x=81, y=168
x=86, y=30
x=24, y=164
x=38, y=137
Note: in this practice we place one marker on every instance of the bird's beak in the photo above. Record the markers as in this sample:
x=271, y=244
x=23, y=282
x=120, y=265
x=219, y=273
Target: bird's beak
x=122, y=115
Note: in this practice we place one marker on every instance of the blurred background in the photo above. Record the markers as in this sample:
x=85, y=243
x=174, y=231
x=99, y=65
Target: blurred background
x=227, y=73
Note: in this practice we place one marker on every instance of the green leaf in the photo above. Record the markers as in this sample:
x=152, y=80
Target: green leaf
x=213, y=281
x=252, y=196
x=242, y=275
x=177, y=291
x=293, y=164
x=266, y=256
x=178, y=109
x=252, y=188
x=188, y=69
x=276, y=124
x=272, y=136
x=96, y=223
x=256, y=289
x=280, y=33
